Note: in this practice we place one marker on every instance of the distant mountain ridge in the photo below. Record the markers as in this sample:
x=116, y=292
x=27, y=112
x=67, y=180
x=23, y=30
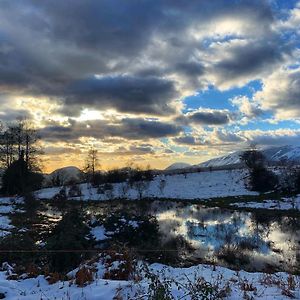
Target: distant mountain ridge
x=179, y=165
x=272, y=155
x=65, y=174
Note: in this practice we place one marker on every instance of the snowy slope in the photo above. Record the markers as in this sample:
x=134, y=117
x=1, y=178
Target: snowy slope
x=226, y=160
x=66, y=174
x=200, y=185
x=261, y=286
x=277, y=154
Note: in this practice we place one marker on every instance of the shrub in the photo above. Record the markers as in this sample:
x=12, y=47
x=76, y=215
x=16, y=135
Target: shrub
x=61, y=196
x=30, y=203
x=74, y=190
x=261, y=179
x=119, y=265
x=84, y=276
x=137, y=232
x=18, y=179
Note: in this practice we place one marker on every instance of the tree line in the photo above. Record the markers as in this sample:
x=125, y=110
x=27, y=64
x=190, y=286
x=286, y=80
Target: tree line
x=19, y=161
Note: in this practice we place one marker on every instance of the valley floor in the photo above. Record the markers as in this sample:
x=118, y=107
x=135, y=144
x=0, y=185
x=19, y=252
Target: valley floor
x=203, y=186
x=200, y=185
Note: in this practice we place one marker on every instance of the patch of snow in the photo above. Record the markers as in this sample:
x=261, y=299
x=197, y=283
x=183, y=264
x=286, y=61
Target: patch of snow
x=98, y=233
x=5, y=223
x=6, y=209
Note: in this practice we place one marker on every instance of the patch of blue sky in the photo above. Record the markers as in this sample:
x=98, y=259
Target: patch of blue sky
x=215, y=99
x=224, y=38
x=280, y=5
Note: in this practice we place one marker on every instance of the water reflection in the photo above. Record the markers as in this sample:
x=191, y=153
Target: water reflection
x=254, y=241
x=235, y=238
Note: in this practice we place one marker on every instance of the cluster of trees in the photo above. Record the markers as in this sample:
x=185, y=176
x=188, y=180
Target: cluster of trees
x=128, y=174
x=263, y=179
x=18, y=158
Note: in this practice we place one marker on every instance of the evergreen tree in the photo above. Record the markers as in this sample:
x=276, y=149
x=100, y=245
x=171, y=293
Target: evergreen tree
x=19, y=179
x=68, y=238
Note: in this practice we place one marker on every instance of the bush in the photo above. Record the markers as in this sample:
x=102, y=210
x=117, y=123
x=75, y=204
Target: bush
x=61, y=196
x=31, y=204
x=74, y=190
x=18, y=179
x=261, y=179
x=84, y=276
x=136, y=232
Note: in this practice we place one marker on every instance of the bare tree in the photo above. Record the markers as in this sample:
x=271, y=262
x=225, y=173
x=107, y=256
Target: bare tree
x=91, y=164
x=19, y=138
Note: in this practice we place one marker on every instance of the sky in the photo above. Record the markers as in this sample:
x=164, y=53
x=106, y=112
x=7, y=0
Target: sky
x=151, y=82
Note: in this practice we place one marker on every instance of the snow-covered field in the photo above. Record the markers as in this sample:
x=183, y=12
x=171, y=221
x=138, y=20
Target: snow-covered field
x=201, y=185
x=236, y=285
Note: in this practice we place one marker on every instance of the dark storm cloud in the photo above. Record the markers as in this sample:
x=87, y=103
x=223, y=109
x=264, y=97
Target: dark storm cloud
x=190, y=68
x=210, y=118
x=206, y=117
x=11, y=115
x=133, y=129
x=53, y=48
x=185, y=140
x=249, y=59
x=126, y=94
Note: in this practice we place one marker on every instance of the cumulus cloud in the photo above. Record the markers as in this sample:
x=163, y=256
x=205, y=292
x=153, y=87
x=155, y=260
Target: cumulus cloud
x=281, y=93
x=247, y=107
x=128, y=128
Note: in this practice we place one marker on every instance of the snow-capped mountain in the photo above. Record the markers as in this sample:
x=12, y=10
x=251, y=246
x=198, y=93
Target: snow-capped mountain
x=272, y=155
x=226, y=160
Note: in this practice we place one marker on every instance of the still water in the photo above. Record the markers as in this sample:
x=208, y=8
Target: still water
x=259, y=240
x=256, y=241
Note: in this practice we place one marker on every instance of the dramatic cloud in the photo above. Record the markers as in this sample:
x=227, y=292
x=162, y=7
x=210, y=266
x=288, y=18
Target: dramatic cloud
x=100, y=54
x=206, y=117
x=116, y=72
x=126, y=94
x=246, y=107
x=281, y=93
x=132, y=129
x=246, y=60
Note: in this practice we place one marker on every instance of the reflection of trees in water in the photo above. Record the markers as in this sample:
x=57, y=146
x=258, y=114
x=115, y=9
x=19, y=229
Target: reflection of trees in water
x=258, y=234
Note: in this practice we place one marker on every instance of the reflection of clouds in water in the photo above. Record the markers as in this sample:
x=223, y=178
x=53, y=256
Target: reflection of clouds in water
x=209, y=229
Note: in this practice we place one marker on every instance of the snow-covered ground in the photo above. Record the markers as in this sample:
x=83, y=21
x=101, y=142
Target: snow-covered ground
x=282, y=204
x=6, y=207
x=236, y=285
x=201, y=185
